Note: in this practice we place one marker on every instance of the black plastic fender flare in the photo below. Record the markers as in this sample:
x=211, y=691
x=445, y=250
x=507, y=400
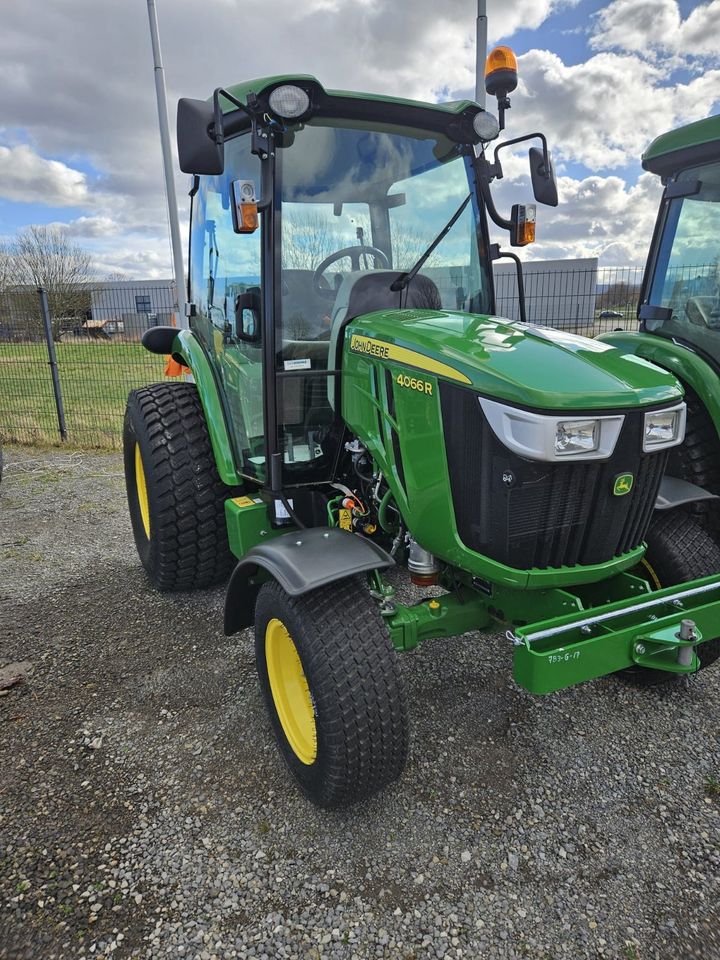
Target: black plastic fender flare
x=300, y=561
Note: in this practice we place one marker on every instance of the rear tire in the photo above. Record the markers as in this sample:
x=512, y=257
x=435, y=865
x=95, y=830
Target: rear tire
x=331, y=682
x=678, y=550
x=175, y=495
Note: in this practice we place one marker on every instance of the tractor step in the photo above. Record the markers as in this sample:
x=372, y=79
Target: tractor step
x=662, y=630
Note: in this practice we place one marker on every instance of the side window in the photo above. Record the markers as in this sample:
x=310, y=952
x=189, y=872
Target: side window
x=687, y=274
x=225, y=286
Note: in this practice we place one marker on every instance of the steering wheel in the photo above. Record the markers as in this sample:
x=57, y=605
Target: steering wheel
x=321, y=286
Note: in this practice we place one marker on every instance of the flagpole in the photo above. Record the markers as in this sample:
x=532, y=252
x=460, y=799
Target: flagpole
x=480, y=52
x=177, y=248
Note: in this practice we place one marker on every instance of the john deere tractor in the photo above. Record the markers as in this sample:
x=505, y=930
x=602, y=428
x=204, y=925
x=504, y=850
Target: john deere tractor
x=679, y=309
x=355, y=404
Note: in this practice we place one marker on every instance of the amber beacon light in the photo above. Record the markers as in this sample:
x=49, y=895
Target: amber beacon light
x=501, y=77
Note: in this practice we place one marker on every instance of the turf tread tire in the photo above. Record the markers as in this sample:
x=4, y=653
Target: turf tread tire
x=354, y=678
x=678, y=550
x=188, y=545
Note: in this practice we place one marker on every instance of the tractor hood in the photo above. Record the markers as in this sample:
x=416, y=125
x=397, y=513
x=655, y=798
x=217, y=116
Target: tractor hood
x=537, y=367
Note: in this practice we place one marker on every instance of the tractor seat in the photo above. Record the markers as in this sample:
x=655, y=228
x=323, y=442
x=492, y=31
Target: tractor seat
x=363, y=291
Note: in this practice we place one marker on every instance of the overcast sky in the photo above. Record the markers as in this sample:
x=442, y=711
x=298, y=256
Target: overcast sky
x=78, y=130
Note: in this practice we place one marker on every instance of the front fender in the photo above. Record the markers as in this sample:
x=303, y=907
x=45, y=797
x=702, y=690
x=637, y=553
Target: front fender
x=300, y=561
x=687, y=366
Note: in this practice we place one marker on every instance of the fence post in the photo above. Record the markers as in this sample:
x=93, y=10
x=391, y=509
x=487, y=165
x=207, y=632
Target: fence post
x=52, y=361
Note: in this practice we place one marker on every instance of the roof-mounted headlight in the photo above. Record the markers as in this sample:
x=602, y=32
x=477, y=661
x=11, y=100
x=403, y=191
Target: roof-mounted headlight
x=289, y=102
x=486, y=126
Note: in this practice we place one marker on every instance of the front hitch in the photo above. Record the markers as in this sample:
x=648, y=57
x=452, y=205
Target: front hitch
x=664, y=630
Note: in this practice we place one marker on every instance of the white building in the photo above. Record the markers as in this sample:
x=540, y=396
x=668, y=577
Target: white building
x=131, y=306
x=558, y=293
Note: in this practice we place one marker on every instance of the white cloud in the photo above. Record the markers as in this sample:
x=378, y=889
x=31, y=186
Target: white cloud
x=605, y=111
x=98, y=103
x=597, y=216
x=27, y=177
x=637, y=25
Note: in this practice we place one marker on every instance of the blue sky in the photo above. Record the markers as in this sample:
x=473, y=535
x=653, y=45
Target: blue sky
x=78, y=134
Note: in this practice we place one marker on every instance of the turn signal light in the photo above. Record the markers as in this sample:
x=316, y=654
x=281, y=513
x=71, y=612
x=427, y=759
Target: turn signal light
x=245, y=208
x=248, y=219
x=522, y=219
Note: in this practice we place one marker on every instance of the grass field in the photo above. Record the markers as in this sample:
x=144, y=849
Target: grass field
x=95, y=378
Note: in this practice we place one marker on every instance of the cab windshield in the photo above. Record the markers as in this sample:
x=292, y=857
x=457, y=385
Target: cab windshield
x=686, y=279
x=360, y=205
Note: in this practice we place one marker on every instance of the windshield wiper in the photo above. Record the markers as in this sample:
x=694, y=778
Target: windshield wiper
x=404, y=279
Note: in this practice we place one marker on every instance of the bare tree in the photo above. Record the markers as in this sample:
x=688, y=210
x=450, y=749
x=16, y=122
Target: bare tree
x=46, y=257
x=307, y=240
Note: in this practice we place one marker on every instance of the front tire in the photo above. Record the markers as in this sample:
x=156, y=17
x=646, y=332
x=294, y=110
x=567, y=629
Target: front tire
x=175, y=495
x=678, y=550
x=331, y=682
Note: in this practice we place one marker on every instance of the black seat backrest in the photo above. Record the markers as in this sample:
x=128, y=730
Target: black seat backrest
x=372, y=292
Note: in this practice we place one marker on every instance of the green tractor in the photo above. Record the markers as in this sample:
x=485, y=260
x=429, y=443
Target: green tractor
x=679, y=309
x=355, y=404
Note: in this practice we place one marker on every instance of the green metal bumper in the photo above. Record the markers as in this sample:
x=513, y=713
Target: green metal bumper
x=643, y=631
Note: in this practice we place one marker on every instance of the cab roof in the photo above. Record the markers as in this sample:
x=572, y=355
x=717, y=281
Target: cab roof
x=688, y=146
x=454, y=119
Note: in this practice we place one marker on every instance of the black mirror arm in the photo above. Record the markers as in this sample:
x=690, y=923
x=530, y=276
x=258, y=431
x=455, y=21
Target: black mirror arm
x=528, y=136
x=497, y=254
x=486, y=193
x=218, y=132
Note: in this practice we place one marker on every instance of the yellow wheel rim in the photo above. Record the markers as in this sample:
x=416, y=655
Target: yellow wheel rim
x=141, y=488
x=290, y=692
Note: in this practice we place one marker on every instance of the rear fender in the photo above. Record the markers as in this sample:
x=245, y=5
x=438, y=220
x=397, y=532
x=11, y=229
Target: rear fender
x=299, y=561
x=186, y=349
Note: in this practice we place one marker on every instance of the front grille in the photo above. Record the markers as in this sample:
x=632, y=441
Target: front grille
x=528, y=514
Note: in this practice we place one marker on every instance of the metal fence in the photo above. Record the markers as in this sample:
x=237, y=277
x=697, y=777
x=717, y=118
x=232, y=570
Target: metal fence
x=96, y=341
x=93, y=344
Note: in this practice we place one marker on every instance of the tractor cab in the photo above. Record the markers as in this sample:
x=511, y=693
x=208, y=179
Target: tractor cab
x=311, y=208
x=681, y=291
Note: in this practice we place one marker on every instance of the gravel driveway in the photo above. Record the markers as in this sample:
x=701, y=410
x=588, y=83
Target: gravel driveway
x=145, y=811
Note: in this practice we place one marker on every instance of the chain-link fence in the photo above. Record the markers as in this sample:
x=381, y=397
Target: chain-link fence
x=100, y=358
x=587, y=302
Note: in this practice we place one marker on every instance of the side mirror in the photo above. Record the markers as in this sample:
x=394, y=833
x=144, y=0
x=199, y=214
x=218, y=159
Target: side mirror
x=247, y=317
x=198, y=151
x=543, y=180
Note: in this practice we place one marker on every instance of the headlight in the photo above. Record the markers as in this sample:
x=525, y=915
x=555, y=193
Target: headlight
x=486, y=126
x=289, y=102
x=664, y=428
x=541, y=436
x=577, y=436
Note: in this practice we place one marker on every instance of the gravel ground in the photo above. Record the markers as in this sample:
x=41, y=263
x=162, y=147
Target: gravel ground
x=145, y=811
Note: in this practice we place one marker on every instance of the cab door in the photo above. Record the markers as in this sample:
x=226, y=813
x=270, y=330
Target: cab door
x=225, y=284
